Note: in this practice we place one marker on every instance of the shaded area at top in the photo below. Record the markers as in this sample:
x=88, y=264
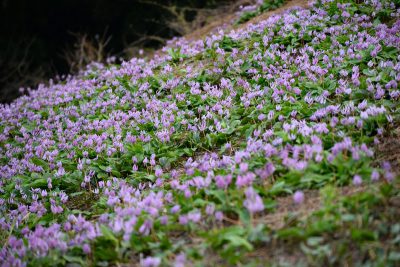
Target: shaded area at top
x=40, y=39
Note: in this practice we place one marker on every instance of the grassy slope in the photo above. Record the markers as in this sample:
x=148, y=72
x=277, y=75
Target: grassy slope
x=337, y=223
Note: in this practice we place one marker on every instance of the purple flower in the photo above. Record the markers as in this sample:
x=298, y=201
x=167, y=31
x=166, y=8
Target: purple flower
x=86, y=248
x=253, y=201
x=375, y=176
x=146, y=227
x=245, y=179
x=265, y=172
x=175, y=209
x=183, y=219
x=219, y=216
x=262, y=117
x=223, y=182
x=164, y=220
x=389, y=176
x=210, y=209
x=150, y=262
x=134, y=168
x=187, y=193
x=386, y=166
x=180, y=260
x=357, y=180
x=298, y=197
x=228, y=146
x=158, y=172
x=243, y=167
x=194, y=216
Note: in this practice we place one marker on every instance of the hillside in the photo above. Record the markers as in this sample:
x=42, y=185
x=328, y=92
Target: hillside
x=271, y=141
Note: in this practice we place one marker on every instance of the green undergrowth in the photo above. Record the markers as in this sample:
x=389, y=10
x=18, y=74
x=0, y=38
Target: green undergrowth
x=267, y=5
x=268, y=91
x=361, y=228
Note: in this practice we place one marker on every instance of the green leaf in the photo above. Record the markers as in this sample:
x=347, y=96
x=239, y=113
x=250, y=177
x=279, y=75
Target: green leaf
x=108, y=234
x=314, y=241
x=293, y=232
x=363, y=235
x=244, y=215
x=39, y=183
x=237, y=241
x=394, y=256
x=74, y=259
x=279, y=188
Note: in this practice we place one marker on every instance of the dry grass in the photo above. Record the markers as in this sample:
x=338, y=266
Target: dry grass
x=83, y=202
x=228, y=18
x=312, y=202
x=389, y=148
x=287, y=6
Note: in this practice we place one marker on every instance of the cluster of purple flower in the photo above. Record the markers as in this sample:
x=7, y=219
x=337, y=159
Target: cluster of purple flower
x=295, y=103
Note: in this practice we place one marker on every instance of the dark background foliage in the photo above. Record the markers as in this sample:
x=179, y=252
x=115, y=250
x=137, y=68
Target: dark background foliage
x=41, y=39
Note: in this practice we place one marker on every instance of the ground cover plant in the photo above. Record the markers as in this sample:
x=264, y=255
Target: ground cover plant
x=250, y=12
x=183, y=159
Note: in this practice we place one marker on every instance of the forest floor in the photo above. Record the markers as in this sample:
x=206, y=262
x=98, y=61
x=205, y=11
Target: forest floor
x=269, y=137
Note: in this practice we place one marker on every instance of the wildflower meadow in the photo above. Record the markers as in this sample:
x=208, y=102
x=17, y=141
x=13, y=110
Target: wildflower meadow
x=256, y=145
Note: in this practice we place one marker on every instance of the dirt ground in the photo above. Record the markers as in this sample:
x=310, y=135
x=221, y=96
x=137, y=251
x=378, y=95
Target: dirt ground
x=228, y=18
